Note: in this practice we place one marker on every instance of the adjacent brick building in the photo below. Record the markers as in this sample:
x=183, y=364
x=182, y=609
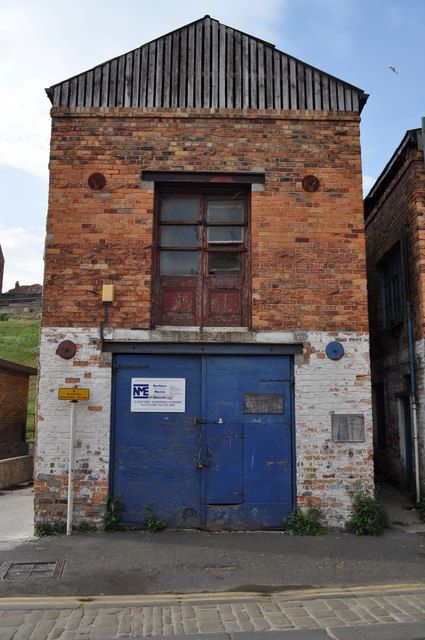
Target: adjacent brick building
x=216, y=183
x=14, y=380
x=395, y=238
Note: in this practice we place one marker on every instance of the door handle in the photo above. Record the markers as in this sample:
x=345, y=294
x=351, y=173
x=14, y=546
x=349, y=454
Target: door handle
x=198, y=421
x=200, y=464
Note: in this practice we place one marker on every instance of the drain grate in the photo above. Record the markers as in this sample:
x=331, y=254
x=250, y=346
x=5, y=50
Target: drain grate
x=31, y=570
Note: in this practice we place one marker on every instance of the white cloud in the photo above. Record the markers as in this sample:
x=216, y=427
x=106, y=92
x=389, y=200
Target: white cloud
x=42, y=43
x=368, y=183
x=23, y=254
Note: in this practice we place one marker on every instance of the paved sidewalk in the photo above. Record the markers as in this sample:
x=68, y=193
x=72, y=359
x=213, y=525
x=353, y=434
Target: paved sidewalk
x=100, y=619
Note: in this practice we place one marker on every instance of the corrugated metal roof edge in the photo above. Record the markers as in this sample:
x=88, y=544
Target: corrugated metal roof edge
x=411, y=139
x=363, y=97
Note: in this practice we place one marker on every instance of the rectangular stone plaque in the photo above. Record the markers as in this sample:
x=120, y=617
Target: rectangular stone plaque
x=263, y=403
x=347, y=427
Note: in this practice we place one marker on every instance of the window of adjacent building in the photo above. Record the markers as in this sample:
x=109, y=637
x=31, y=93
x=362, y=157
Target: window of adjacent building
x=391, y=287
x=202, y=263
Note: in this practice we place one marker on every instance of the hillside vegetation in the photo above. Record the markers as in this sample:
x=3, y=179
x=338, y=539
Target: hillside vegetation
x=19, y=342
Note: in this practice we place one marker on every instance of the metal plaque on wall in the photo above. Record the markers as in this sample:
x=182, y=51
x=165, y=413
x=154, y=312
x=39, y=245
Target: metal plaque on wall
x=348, y=427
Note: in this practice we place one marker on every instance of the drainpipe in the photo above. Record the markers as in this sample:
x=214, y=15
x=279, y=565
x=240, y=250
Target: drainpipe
x=413, y=399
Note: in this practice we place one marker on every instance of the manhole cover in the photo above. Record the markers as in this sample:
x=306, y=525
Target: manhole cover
x=31, y=570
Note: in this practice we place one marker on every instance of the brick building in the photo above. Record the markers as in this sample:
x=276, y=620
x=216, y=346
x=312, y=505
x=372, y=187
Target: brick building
x=215, y=183
x=14, y=381
x=395, y=238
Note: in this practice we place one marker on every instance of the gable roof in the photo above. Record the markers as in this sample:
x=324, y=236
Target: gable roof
x=206, y=64
x=412, y=140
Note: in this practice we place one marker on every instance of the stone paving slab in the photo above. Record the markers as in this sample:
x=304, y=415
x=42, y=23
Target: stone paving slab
x=88, y=621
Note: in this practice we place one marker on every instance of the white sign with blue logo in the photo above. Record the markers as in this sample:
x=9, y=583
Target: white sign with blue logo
x=158, y=394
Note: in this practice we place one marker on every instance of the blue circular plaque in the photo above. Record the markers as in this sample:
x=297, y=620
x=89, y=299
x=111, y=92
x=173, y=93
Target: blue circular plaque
x=334, y=350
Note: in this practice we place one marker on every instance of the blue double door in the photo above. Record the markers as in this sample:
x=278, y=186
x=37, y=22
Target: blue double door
x=224, y=460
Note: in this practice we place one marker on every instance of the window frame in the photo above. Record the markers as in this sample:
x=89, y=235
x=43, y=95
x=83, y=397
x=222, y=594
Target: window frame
x=390, y=268
x=204, y=193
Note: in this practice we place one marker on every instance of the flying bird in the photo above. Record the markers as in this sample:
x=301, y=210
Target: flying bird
x=393, y=69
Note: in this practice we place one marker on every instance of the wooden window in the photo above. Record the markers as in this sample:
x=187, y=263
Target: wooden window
x=202, y=260
x=391, y=288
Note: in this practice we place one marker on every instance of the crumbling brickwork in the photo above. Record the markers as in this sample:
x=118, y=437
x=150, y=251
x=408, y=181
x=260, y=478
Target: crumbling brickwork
x=394, y=215
x=308, y=276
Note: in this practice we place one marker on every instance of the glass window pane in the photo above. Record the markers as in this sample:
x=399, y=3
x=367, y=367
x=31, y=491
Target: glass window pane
x=225, y=262
x=180, y=210
x=179, y=263
x=179, y=236
x=225, y=235
x=225, y=211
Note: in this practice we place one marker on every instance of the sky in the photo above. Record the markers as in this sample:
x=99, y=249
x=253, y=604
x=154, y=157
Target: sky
x=45, y=41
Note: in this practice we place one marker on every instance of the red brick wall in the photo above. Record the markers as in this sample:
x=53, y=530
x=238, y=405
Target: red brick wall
x=308, y=265
x=398, y=214
x=13, y=411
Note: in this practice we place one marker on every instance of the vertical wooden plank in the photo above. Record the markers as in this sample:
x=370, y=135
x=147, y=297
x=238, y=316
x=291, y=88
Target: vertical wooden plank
x=332, y=95
x=128, y=80
x=355, y=96
x=166, y=80
x=206, y=71
x=277, y=81
x=198, y=65
x=245, y=72
x=57, y=95
x=150, y=98
x=293, y=84
x=237, y=69
x=318, y=104
x=325, y=92
x=230, y=70
x=301, y=85
x=261, y=74
x=183, y=68
x=222, y=68
x=136, y=79
x=97, y=86
x=65, y=94
x=159, y=72
x=340, y=92
x=104, y=92
x=348, y=101
x=214, y=63
x=309, y=88
x=191, y=67
x=285, y=81
x=175, y=69
x=112, y=97
x=88, y=102
x=73, y=91
x=269, y=78
x=144, y=64
x=254, y=74
x=81, y=91
x=120, y=81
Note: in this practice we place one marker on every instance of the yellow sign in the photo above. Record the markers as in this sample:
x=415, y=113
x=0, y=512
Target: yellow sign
x=73, y=393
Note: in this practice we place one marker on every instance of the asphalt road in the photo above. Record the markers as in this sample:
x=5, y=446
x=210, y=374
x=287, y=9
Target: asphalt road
x=137, y=562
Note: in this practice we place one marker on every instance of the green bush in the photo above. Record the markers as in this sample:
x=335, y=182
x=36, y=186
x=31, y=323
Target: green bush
x=367, y=515
x=43, y=529
x=304, y=523
x=85, y=527
x=151, y=522
x=111, y=520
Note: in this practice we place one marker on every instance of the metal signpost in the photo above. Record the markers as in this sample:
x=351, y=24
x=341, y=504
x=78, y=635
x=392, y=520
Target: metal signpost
x=73, y=395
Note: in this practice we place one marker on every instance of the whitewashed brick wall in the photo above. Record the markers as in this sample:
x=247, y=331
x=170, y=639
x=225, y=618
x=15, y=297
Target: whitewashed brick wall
x=325, y=470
